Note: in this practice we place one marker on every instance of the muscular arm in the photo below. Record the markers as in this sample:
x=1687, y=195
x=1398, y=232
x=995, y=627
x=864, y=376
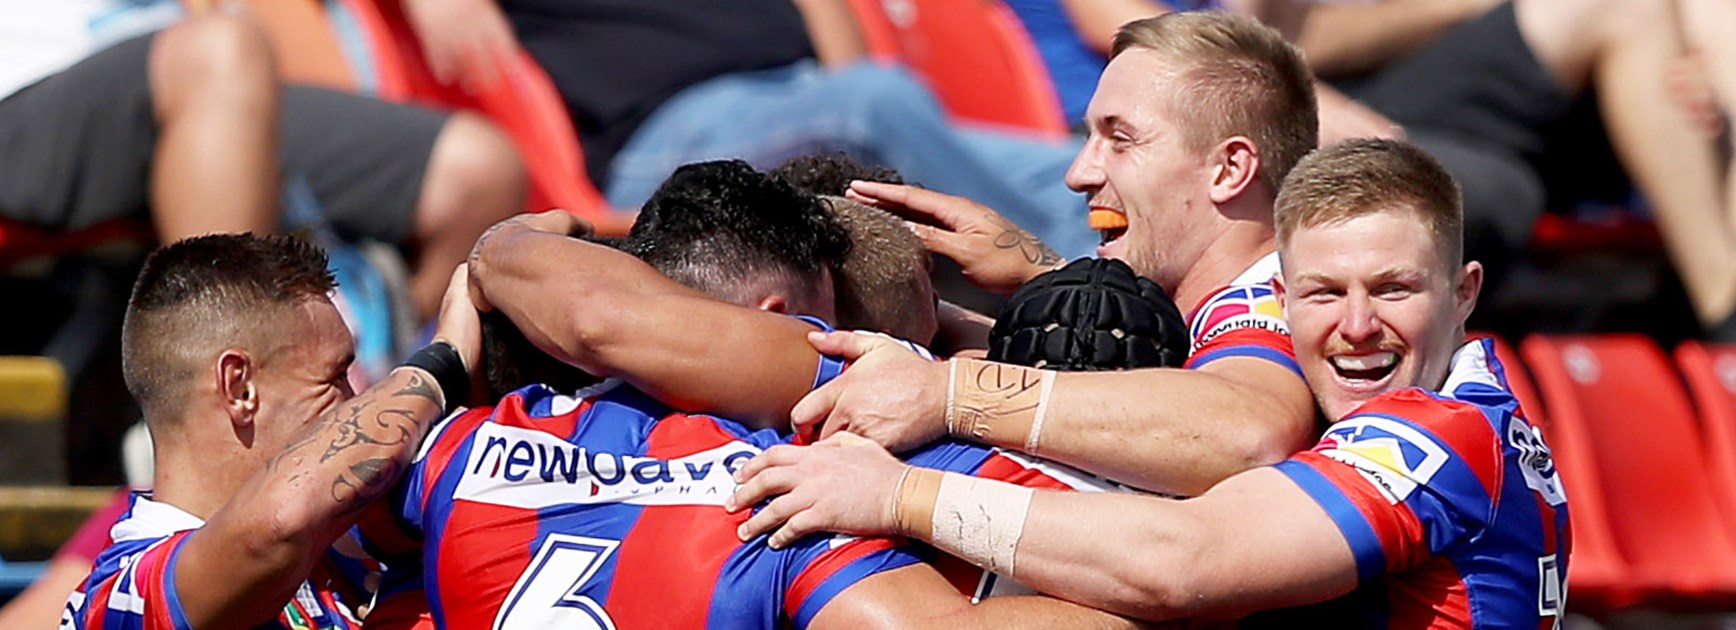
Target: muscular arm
x=240, y=568
x=1255, y=542
x=917, y=596
x=613, y=315
x=1347, y=38
x=1176, y=431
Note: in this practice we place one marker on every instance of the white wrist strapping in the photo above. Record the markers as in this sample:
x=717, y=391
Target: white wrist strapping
x=980, y=520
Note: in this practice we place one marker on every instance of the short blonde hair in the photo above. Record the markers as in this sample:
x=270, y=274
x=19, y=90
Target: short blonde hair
x=1239, y=78
x=1370, y=176
x=879, y=284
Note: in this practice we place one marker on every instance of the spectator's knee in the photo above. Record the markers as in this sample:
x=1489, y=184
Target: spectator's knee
x=216, y=56
x=474, y=178
x=887, y=91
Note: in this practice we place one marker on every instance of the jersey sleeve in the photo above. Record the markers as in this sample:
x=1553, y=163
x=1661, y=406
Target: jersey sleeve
x=824, y=566
x=140, y=595
x=1404, y=478
x=1241, y=321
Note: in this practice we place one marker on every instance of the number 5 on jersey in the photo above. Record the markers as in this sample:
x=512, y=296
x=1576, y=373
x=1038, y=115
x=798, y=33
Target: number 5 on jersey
x=549, y=594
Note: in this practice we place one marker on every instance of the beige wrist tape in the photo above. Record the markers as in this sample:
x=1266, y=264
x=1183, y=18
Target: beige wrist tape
x=913, y=504
x=996, y=403
x=979, y=520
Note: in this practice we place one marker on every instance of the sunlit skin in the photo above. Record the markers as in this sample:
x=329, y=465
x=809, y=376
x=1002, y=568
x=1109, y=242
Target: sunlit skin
x=1135, y=162
x=306, y=375
x=1373, y=307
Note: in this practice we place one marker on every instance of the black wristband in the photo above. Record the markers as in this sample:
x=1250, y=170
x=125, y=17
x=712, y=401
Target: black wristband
x=442, y=361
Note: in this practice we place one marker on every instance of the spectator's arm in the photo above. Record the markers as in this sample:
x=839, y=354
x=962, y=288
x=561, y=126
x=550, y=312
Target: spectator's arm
x=833, y=30
x=1351, y=37
x=1096, y=21
x=613, y=315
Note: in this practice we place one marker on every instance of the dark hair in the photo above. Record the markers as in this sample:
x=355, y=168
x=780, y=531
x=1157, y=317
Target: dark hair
x=714, y=225
x=831, y=173
x=209, y=290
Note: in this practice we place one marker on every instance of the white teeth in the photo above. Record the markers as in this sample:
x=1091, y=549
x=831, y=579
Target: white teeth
x=1376, y=361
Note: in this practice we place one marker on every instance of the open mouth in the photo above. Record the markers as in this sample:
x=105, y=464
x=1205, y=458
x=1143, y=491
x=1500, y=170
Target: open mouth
x=1110, y=224
x=1365, y=369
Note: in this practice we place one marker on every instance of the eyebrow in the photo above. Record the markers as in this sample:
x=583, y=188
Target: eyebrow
x=1388, y=273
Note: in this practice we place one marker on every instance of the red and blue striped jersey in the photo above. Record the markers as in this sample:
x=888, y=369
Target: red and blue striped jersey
x=600, y=510
x=605, y=509
x=1450, y=503
x=132, y=584
x=1243, y=319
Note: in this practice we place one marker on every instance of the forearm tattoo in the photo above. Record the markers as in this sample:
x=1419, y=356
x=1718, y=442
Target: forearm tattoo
x=367, y=440
x=1033, y=249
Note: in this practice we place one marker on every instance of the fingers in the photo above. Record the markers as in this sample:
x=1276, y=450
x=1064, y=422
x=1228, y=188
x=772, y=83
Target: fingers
x=774, y=514
x=947, y=210
x=800, y=524
x=846, y=345
x=940, y=240
x=459, y=323
x=814, y=408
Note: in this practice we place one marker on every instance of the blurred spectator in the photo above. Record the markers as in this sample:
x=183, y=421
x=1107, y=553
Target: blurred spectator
x=111, y=110
x=655, y=84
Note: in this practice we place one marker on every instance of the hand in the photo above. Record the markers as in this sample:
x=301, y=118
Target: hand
x=1342, y=118
x=888, y=394
x=552, y=222
x=466, y=42
x=843, y=483
x=459, y=324
x=994, y=254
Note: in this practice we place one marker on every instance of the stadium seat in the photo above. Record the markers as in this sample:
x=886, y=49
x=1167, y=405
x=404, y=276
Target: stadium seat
x=1615, y=400
x=974, y=54
x=20, y=242
x=524, y=103
x=1595, y=567
x=1710, y=370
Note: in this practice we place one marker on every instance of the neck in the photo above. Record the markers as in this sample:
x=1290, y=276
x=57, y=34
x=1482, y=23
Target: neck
x=1227, y=256
x=195, y=473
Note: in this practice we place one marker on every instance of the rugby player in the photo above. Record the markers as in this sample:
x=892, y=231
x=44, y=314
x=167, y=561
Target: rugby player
x=240, y=363
x=1430, y=501
x=605, y=508
x=1195, y=121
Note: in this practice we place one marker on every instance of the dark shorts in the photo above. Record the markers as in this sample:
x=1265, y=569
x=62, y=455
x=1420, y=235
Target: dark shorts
x=1479, y=83
x=76, y=149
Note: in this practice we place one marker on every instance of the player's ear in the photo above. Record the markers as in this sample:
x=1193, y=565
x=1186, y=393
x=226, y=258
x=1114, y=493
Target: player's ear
x=236, y=389
x=1236, y=167
x=773, y=303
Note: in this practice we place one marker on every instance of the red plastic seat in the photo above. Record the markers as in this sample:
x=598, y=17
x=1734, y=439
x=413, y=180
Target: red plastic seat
x=1595, y=567
x=1624, y=429
x=974, y=54
x=1710, y=370
x=523, y=103
x=20, y=241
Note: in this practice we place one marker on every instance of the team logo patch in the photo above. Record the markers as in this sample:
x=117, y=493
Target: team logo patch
x=523, y=468
x=1235, y=308
x=1393, y=456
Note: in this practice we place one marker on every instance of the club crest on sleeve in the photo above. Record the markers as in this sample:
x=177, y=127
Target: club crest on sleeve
x=1235, y=308
x=1393, y=456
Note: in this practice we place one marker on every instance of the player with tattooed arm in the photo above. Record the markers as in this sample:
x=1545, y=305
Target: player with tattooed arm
x=239, y=361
